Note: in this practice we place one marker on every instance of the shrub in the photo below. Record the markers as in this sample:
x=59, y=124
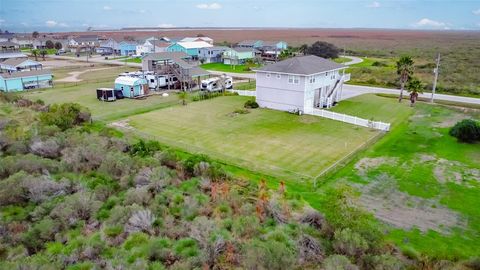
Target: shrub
x=140, y=221
x=145, y=148
x=467, y=130
x=186, y=247
x=79, y=206
x=140, y=196
x=251, y=104
x=190, y=163
x=48, y=148
x=65, y=115
x=384, y=262
x=349, y=243
x=29, y=163
x=338, y=262
x=268, y=255
x=241, y=111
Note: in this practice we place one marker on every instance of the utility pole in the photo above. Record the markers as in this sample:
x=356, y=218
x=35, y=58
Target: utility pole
x=435, y=71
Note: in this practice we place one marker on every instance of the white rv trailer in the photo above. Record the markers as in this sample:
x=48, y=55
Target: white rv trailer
x=215, y=83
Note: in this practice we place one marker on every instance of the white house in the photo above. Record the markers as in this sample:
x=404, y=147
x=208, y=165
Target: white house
x=152, y=46
x=300, y=83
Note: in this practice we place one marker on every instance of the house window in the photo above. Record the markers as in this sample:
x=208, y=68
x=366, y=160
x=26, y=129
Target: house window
x=268, y=75
x=279, y=76
x=293, y=79
x=326, y=74
x=312, y=79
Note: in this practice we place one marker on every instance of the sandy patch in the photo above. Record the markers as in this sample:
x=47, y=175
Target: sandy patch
x=122, y=124
x=49, y=64
x=451, y=120
x=366, y=164
x=382, y=198
x=426, y=158
x=74, y=75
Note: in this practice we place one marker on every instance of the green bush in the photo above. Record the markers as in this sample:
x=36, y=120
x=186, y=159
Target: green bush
x=186, y=247
x=145, y=148
x=65, y=115
x=467, y=130
x=251, y=104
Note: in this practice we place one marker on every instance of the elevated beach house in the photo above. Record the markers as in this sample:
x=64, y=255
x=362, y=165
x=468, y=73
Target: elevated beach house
x=238, y=55
x=300, y=84
x=190, y=48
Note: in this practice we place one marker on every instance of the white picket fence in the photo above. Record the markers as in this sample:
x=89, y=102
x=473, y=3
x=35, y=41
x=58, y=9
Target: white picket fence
x=332, y=115
x=350, y=119
x=244, y=92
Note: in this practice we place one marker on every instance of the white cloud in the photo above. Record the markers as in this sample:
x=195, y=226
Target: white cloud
x=142, y=11
x=428, y=23
x=51, y=23
x=209, y=6
x=476, y=12
x=63, y=25
x=107, y=8
x=374, y=4
x=166, y=25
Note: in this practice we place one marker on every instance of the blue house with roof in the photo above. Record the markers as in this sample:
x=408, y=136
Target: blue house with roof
x=128, y=48
x=190, y=48
x=131, y=86
x=21, y=80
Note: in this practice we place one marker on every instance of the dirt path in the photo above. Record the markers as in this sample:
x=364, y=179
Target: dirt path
x=74, y=75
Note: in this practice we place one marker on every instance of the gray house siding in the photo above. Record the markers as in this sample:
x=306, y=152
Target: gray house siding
x=275, y=92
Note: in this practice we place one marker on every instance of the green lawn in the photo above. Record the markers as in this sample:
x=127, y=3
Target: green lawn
x=251, y=85
x=342, y=60
x=85, y=94
x=431, y=172
x=268, y=141
x=228, y=68
x=134, y=60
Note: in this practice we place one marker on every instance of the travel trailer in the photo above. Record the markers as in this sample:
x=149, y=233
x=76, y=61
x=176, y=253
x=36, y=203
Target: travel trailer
x=215, y=83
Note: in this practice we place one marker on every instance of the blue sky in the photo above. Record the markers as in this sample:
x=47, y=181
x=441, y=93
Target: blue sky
x=67, y=15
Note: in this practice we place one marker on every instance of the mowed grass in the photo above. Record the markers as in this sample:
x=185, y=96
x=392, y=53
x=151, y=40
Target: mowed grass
x=85, y=94
x=446, y=179
x=228, y=68
x=268, y=141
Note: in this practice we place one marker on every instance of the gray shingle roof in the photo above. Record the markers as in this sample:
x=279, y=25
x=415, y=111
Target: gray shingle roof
x=19, y=74
x=303, y=65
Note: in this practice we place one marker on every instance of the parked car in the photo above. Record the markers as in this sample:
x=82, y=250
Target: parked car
x=59, y=52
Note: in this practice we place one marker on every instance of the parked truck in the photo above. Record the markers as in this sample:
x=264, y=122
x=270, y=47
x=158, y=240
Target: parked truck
x=215, y=83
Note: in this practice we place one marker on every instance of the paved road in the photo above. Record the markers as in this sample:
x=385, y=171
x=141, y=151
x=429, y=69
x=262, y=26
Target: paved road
x=355, y=90
x=353, y=60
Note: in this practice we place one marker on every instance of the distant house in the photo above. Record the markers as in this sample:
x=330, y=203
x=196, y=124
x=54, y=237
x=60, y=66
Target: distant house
x=131, y=86
x=6, y=36
x=274, y=45
x=8, y=46
x=237, y=56
x=128, y=47
x=255, y=44
x=152, y=46
x=11, y=55
x=19, y=64
x=212, y=54
x=19, y=81
x=84, y=41
x=41, y=43
x=109, y=45
x=195, y=39
x=23, y=42
x=300, y=83
x=190, y=48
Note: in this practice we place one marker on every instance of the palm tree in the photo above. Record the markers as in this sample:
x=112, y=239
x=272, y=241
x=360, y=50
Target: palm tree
x=287, y=53
x=35, y=54
x=405, y=71
x=414, y=86
x=182, y=96
x=43, y=53
x=303, y=49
